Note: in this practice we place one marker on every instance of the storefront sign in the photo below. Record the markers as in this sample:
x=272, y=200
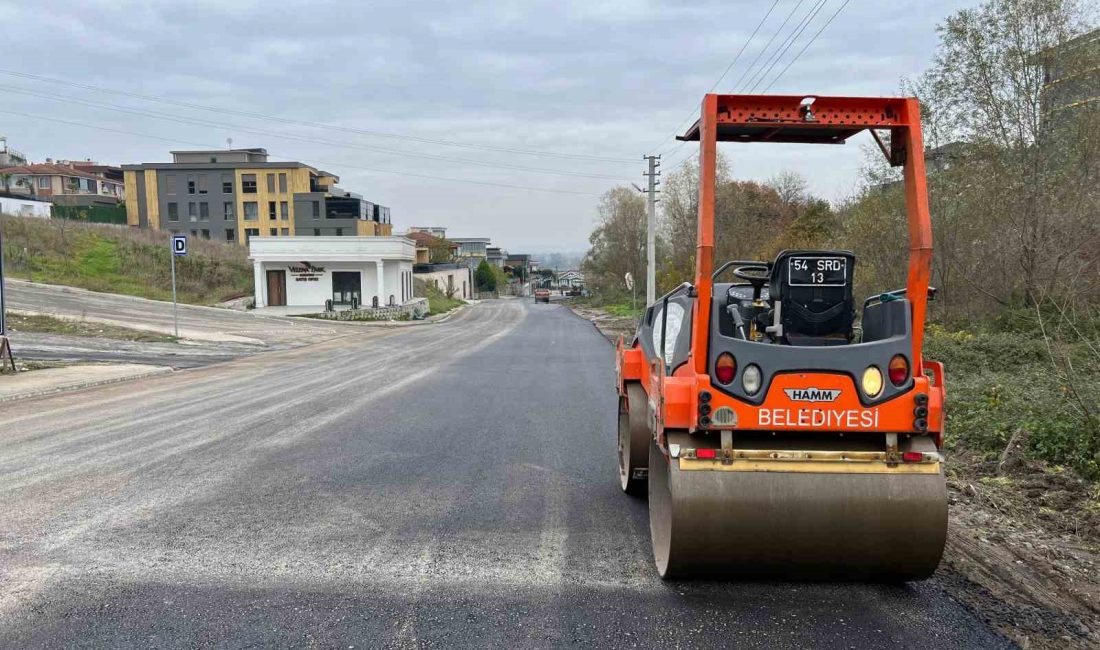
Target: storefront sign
x=306, y=272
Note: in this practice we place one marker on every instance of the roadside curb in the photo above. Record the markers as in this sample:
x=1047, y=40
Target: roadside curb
x=82, y=386
x=384, y=324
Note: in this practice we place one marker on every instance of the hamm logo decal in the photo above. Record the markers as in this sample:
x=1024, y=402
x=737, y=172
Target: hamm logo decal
x=812, y=394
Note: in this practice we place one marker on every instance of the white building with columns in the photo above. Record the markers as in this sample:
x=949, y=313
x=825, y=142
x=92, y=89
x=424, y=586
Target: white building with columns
x=301, y=274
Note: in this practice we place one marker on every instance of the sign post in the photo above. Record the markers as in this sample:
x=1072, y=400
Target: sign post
x=179, y=248
x=5, y=345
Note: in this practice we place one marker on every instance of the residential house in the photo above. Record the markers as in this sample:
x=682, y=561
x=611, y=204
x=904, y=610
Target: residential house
x=434, y=231
x=424, y=244
x=10, y=157
x=471, y=250
x=233, y=195
x=570, y=279
x=496, y=256
x=61, y=182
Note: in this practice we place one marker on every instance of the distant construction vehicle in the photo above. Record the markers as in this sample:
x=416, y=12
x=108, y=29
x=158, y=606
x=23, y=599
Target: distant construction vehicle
x=774, y=437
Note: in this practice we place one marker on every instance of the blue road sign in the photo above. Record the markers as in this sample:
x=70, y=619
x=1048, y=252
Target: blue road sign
x=179, y=244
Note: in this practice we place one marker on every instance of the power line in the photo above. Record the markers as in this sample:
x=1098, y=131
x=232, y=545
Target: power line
x=769, y=43
x=318, y=125
x=346, y=145
x=317, y=162
x=693, y=111
x=774, y=60
x=811, y=42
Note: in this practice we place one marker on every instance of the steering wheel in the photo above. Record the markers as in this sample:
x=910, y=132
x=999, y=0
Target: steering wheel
x=755, y=274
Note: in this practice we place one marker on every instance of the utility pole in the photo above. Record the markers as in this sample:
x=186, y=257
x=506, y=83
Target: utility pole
x=651, y=230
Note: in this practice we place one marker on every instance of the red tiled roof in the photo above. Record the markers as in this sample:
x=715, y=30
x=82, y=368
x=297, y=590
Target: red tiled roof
x=423, y=239
x=50, y=170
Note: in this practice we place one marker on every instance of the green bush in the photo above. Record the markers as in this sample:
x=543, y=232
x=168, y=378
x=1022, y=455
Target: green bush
x=999, y=383
x=438, y=302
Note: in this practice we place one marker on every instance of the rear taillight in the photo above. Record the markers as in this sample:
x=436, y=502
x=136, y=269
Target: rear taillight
x=725, y=368
x=704, y=453
x=898, y=370
x=912, y=456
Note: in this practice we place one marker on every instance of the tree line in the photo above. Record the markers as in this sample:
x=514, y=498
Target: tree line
x=1013, y=161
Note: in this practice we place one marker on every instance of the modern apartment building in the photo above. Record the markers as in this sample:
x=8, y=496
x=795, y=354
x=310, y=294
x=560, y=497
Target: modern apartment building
x=232, y=195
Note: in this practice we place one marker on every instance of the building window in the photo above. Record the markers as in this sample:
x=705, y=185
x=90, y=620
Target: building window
x=284, y=210
x=316, y=209
x=274, y=232
x=282, y=183
x=194, y=233
x=170, y=183
x=213, y=159
x=271, y=214
x=230, y=235
x=251, y=211
x=285, y=232
x=205, y=233
x=190, y=184
x=271, y=183
x=339, y=232
x=248, y=183
x=227, y=211
x=204, y=212
x=202, y=183
x=43, y=182
x=193, y=211
x=173, y=212
x=249, y=233
x=316, y=232
x=227, y=184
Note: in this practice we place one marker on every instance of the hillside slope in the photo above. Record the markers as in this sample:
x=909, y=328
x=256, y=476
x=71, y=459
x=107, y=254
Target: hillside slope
x=120, y=259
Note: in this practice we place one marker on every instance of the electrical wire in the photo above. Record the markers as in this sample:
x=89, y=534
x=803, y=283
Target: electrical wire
x=317, y=162
x=318, y=125
x=693, y=112
x=789, y=42
x=803, y=50
x=768, y=44
x=287, y=136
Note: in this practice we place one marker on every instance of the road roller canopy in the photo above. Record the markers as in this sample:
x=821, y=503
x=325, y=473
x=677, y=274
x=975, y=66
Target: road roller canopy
x=803, y=119
x=813, y=119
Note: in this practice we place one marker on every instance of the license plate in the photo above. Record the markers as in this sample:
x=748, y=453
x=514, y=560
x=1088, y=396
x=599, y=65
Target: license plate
x=817, y=271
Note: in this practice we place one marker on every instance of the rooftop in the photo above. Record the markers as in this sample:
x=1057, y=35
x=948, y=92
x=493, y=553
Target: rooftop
x=43, y=169
x=255, y=150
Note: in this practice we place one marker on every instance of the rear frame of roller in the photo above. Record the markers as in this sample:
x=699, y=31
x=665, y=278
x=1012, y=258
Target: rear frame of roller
x=812, y=470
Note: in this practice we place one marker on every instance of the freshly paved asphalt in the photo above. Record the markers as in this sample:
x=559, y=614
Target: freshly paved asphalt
x=451, y=485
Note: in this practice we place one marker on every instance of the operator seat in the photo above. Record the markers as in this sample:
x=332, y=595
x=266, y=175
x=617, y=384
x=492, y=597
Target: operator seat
x=812, y=298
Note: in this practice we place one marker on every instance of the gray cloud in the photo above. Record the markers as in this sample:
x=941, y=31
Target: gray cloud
x=597, y=78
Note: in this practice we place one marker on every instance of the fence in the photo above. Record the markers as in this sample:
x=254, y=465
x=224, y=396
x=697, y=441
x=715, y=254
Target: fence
x=115, y=214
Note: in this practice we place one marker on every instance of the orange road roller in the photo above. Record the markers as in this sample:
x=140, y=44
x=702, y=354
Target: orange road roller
x=779, y=427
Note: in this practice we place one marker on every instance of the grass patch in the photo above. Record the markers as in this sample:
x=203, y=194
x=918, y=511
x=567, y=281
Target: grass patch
x=121, y=259
x=619, y=308
x=438, y=302
x=999, y=383
x=18, y=322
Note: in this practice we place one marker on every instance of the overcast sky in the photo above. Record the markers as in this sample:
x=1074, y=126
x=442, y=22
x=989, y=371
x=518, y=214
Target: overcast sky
x=588, y=79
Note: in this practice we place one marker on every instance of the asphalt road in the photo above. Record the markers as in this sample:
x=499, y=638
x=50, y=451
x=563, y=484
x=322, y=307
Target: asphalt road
x=35, y=346
x=446, y=486
x=195, y=322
